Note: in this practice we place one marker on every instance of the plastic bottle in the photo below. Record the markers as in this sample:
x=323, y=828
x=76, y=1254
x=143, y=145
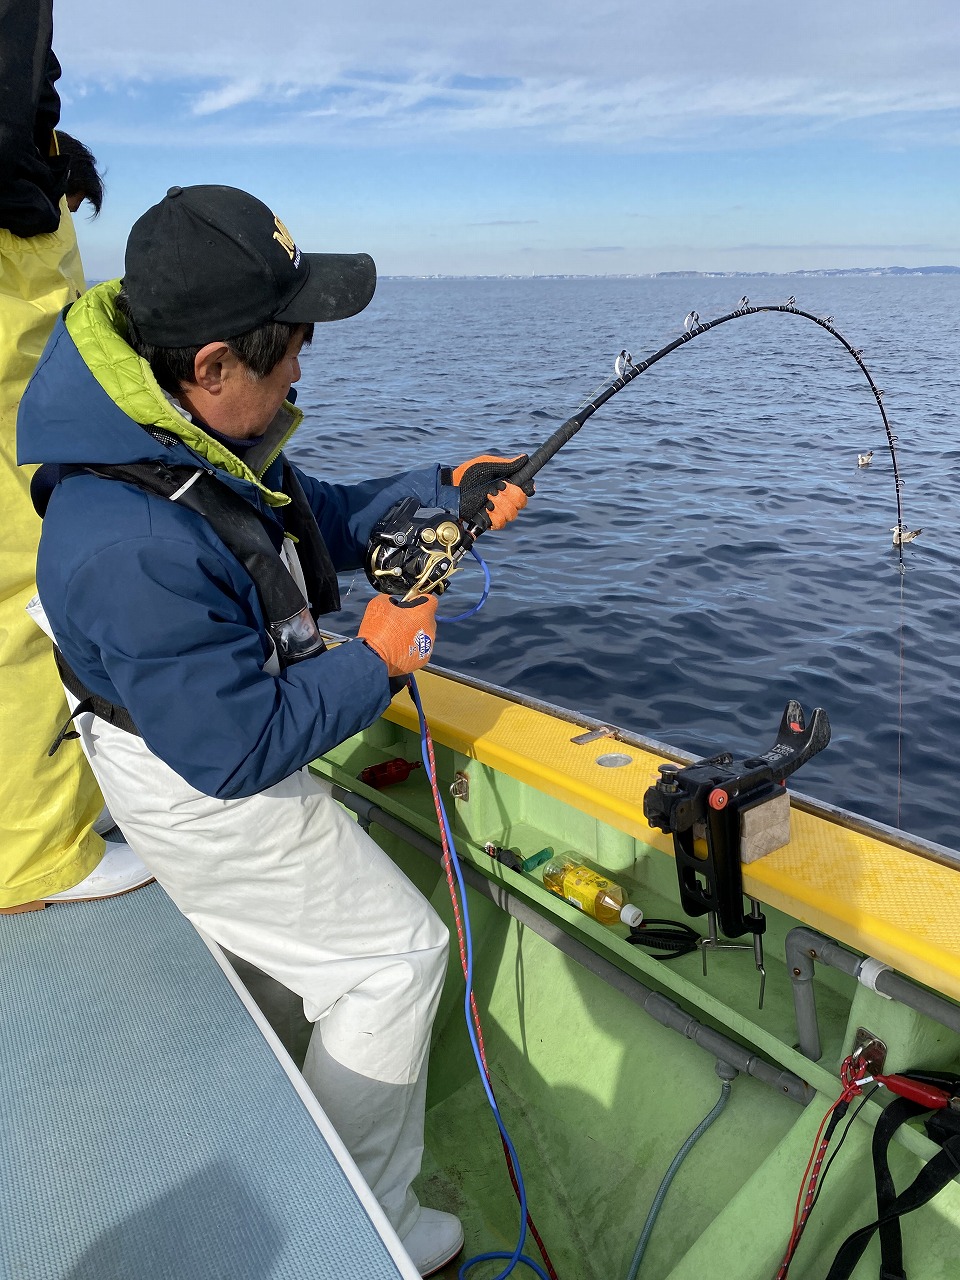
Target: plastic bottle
x=589, y=891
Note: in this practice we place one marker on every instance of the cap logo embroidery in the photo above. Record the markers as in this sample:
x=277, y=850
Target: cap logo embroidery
x=285, y=239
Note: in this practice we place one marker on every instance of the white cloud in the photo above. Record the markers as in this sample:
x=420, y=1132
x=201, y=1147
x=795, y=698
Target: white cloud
x=629, y=116
x=856, y=41
x=734, y=72
x=231, y=94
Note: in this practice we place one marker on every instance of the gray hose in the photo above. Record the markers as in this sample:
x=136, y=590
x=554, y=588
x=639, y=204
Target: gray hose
x=726, y=1074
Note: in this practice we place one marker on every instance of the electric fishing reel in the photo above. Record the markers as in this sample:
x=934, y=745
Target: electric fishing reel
x=413, y=551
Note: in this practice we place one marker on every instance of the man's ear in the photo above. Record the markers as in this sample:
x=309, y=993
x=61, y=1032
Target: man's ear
x=210, y=365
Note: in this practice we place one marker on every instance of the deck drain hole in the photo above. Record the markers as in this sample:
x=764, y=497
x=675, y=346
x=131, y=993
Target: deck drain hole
x=614, y=760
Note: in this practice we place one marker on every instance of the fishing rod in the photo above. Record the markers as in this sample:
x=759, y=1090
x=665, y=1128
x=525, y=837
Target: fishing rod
x=418, y=554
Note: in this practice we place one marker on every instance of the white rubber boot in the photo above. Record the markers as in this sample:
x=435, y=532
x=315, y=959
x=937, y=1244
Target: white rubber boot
x=434, y=1240
x=118, y=871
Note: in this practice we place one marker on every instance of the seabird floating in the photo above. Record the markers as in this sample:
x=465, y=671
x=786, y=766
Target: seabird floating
x=864, y=459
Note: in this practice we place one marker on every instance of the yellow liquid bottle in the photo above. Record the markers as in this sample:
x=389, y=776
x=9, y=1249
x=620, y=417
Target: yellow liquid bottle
x=590, y=892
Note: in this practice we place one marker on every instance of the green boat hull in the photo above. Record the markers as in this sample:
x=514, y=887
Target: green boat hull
x=598, y=1096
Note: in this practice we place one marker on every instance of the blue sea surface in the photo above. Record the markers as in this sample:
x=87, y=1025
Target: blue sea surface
x=706, y=547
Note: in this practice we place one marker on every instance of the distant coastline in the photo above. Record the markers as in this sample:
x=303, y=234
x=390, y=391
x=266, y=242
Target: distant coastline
x=695, y=275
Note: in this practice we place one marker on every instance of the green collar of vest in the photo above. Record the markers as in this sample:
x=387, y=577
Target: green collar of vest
x=97, y=329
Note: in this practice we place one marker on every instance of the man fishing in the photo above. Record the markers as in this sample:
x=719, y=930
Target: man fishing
x=182, y=563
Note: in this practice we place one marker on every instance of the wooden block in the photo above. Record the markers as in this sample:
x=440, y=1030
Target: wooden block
x=764, y=828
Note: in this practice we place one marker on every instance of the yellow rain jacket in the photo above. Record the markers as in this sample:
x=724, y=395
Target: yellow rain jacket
x=47, y=804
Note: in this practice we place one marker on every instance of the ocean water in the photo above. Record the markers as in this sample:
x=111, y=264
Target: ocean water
x=706, y=547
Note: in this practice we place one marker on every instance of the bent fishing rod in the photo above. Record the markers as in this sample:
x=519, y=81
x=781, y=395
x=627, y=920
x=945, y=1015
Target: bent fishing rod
x=419, y=554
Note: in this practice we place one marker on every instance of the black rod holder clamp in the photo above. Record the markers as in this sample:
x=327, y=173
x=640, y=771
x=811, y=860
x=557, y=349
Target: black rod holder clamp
x=703, y=803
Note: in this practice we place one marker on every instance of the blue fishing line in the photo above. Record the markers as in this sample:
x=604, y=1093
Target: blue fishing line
x=483, y=599
x=518, y=1255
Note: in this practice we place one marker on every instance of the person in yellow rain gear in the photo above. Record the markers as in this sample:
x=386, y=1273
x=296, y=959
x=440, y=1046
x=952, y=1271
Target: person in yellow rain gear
x=49, y=849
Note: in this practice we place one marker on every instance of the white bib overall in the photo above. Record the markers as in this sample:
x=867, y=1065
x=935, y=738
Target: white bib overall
x=287, y=881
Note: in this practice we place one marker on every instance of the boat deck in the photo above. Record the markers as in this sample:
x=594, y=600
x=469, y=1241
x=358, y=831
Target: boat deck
x=152, y=1126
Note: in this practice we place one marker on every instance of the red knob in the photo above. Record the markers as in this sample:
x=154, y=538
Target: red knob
x=718, y=798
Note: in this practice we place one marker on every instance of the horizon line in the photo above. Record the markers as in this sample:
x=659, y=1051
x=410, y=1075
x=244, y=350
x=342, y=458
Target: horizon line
x=931, y=269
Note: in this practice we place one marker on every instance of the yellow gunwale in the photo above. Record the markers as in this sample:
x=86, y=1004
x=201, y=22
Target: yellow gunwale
x=887, y=902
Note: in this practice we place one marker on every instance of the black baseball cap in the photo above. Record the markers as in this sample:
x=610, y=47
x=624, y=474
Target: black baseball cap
x=213, y=262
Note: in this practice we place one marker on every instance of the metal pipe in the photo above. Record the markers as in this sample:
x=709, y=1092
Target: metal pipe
x=659, y=1007
x=801, y=969
x=804, y=946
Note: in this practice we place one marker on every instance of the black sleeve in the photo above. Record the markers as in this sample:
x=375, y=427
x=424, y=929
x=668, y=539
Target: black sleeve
x=31, y=181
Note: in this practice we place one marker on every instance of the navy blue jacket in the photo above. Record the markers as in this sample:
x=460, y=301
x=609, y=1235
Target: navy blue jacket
x=150, y=608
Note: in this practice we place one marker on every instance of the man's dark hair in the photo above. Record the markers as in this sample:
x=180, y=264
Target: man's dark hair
x=83, y=178
x=260, y=349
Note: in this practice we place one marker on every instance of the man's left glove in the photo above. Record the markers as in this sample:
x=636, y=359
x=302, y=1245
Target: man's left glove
x=401, y=632
x=484, y=486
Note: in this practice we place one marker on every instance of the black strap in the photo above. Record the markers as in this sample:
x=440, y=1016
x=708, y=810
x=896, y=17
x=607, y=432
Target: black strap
x=242, y=528
x=318, y=571
x=237, y=523
x=233, y=519
x=89, y=701
x=891, y=1239
x=931, y=1179
x=45, y=479
x=65, y=730
x=290, y=619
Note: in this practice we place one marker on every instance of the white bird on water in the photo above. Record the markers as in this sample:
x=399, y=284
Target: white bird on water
x=864, y=459
x=901, y=535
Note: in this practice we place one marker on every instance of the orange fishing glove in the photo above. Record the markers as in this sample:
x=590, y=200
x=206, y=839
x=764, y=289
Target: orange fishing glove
x=401, y=632
x=483, y=484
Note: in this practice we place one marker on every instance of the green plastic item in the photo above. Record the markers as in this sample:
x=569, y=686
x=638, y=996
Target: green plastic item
x=538, y=859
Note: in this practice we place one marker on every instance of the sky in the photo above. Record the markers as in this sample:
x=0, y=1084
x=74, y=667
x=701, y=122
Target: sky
x=534, y=136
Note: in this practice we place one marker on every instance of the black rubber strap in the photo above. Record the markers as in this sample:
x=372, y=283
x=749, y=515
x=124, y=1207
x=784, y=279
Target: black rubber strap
x=891, y=1239
x=235, y=521
x=318, y=570
x=65, y=730
x=931, y=1179
x=89, y=701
